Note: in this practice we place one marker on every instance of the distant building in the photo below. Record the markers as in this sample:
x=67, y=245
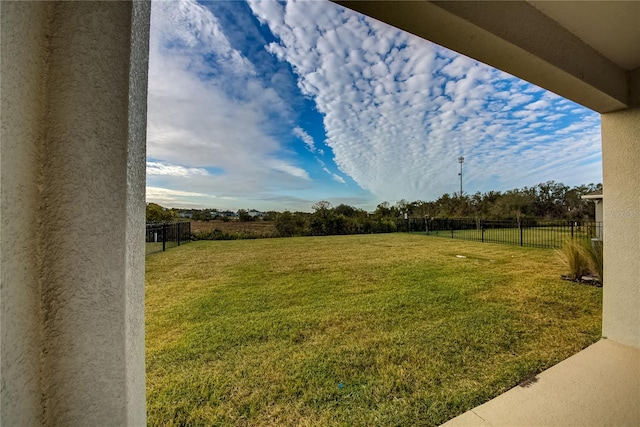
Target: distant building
x=256, y=214
x=227, y=214
x=598, y=199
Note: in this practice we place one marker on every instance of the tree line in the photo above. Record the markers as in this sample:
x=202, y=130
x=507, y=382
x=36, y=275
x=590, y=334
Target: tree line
x=546, y=201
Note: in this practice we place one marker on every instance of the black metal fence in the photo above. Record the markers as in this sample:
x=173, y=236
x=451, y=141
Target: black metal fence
x=541, y=234
x=162, y=236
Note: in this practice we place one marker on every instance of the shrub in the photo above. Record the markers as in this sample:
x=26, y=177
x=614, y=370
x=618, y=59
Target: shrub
x=222, y=235
x=595, y=258
x=583, y=257
x=574, y=254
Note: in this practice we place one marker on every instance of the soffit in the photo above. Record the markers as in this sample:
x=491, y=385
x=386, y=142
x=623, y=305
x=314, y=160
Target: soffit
x=610, y=27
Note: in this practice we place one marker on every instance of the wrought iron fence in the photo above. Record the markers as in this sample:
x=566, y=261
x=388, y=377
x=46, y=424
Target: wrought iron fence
x=541, y=234
x=162, y=236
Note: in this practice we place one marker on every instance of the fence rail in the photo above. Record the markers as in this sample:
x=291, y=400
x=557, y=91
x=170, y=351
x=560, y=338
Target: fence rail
x=162, y=236
x=541, y=234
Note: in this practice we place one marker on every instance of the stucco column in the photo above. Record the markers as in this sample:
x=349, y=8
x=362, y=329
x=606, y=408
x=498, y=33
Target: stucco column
x=74, y=80
x=22, y=115
x=621, y=168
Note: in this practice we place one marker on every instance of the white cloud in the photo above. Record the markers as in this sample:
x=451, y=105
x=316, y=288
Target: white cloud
x=553, y=117
x=289, y=169
x=209, y=109
x=338, y=178
x=305, y=137
x=179, y=198
x=159, y=168
x=538, y=105
x=398, y=110
x=334, y=176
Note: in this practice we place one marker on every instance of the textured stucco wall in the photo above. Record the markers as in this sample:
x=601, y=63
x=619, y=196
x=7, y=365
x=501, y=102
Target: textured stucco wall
x=621, y=160
x=22, y=76
x=73, y=161
x=136, y=214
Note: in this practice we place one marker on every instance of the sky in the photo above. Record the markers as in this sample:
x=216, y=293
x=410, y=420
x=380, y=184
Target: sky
x=275, y=106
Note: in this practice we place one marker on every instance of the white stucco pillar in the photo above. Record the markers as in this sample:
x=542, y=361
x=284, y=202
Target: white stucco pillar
x=621, y=173
x=72, y=164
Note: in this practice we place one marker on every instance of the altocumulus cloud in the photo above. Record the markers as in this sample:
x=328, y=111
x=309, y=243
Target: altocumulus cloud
x=399, y=110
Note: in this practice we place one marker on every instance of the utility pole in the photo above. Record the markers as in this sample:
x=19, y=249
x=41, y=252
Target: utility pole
x=461, y=160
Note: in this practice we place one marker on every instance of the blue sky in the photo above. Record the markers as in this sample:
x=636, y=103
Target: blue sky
x=276, y=106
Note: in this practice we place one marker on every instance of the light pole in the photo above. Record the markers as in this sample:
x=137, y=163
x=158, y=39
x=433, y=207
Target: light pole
x=461, y=160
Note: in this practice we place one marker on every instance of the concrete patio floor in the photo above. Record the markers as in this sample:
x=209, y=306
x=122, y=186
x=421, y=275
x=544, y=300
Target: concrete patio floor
x=600, y=386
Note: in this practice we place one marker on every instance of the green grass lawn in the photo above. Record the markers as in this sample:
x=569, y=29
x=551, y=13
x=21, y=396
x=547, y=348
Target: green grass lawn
x=545, y=237
x=388, y=329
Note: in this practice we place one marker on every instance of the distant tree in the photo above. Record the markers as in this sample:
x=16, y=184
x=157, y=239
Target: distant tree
x=321, y=206
x=345, y=210
x=270, y=216
x=290, y=224
x=445, y=206
x=383, y=210
x=550, y=200
x=514, y=204
x=577, y=207
x=403, y=206
x=201, y=215
x=243, y=215
x=461, y=205
x=156, y=213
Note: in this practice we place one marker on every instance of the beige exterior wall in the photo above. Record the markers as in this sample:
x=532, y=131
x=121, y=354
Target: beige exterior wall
x=74, y=79
x=23, y=30
x=621, y=165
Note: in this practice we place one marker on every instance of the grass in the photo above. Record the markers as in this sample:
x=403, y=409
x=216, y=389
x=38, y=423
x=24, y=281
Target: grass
x=543, y=237
x=391, y=329
x=152, y=247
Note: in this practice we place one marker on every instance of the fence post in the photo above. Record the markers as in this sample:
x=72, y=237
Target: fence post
x=572, y=230
x=164, y=236
x=452, y=230
x=520, y=226
x=482, y=230
x=178, y=233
